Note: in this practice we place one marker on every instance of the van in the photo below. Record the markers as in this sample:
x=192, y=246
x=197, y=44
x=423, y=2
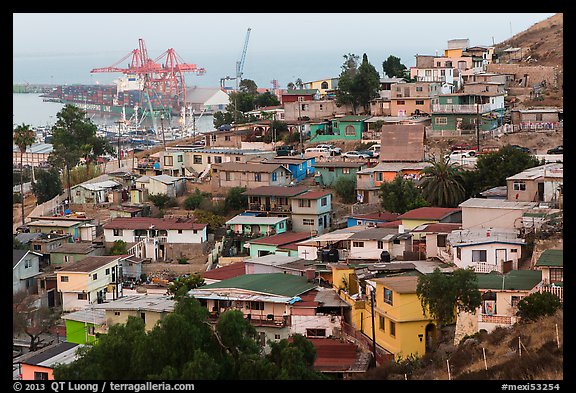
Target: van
x=319, y=152
x=375, y=149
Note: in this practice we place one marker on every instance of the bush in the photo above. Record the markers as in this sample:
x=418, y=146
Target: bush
x=16, y=198
x=345, y=188
x=537, y=305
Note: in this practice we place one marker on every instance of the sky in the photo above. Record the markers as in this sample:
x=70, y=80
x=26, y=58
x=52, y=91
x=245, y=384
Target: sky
x=64, y=47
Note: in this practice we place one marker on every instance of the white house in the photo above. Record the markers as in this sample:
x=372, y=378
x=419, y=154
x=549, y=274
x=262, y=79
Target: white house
x=166, y=184
x=486, y=250
x=157, y=238
x=206, y=99
x=370, y=243
x=25, y=268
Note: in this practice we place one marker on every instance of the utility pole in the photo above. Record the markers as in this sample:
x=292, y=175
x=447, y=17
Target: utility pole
x=373, y=327
x=477, y=126
x=119, y=151
x=162, y=125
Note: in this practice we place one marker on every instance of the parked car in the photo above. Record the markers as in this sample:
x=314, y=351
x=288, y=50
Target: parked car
x=286, y=150
x=334, y=151
x=456, y=154
x=375, y=149
x=369, y=152
x=319, y=152
x=355, y=154
x=522, y=148
x=556, y=150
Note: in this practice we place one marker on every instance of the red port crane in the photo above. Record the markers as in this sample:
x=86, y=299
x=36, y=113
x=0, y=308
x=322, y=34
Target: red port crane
x=165, y=74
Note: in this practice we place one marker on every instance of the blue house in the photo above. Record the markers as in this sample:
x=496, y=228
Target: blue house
x=300, y=167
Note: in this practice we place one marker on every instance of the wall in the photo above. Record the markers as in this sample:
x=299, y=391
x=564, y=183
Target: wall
x=302, y=322
x=151, y=317
x=466, y=254
x=76, y=332
x=536, y=74
x=28, y=372
x=490, y=218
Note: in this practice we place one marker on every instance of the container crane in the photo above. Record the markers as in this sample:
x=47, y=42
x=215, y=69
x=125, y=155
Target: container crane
x=240, y=63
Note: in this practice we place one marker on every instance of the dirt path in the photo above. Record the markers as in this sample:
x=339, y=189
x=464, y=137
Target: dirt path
x=29, y=205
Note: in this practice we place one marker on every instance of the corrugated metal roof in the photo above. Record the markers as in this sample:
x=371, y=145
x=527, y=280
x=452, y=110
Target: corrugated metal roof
x=63, y=353
x=252, y=220
x=428, y=213
x=282, y=238
x=404, y=142
x=513, y=280
x=88, y=315
x=551, y=258
x=140, y=302
x=156, y=223
x=267, y=283
x=496, y=204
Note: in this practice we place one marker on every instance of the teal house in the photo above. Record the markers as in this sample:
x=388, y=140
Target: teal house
x=327, y=173
x=254, y=226
x=82, y=325
x=339, y=128
x=278, y=244
x=462, y=111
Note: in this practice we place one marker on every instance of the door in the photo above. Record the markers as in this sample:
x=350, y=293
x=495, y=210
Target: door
x=540, y=192
x=501, y=257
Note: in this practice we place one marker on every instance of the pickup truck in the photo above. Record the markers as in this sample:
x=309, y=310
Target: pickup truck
x=286, y=151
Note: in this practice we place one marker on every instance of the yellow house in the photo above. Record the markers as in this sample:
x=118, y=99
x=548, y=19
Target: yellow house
x=93, y=279
x=324, y=86
x=149, y=307
x=430, y=215
x=401, y=326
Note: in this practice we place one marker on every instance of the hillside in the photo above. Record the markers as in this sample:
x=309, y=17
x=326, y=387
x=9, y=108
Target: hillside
x=539, y=359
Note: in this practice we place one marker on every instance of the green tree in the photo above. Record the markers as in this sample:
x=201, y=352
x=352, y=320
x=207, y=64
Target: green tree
x=345, y=187
x=538, y=304
x=400, y=195
x=193, y=201
x=443, y=294
x=30, y=319
x=181, y=285
x=266, y=99
x=23, y=137
x=235, y=199
x=162, y=201
x=367, y=83
x=221, y=118
x=95, y=147
x=442, y=183
x=18, y=245
x=393, y=68
x=48, y=184
x=119, y=248
x=345, y=93
x=213, y=220
x=294, y=359
x=248, y=86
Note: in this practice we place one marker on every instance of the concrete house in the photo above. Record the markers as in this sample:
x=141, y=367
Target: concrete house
x=326, y=173
x=312, y=211
x=272, y=200
x=157, y=238
x=276, y=244
x=493, y=213
x=94, y=279
x=172, y=163
x=72, y=252
x=369, y=244
x=248, y=225
x=339, y=128
x=93, y=193
x=428, y=215
x=249, y=175
x=25, y=269
x=165, y=184
x=371, y=219
x=300, y=167
x=543, y=118
x=408, y=99
x=206, y=100
x=81, y=325
x=39, y=365
x=543, y=183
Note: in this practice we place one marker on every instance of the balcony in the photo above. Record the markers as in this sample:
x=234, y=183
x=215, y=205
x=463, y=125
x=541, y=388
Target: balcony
x=155, y=239
x=260, y=207
x=461, y=108
x=497, y=319
x=268, y=320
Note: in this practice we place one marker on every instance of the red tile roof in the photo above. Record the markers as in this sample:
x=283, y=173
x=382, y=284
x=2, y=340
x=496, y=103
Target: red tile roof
x=428, y=213
x=334, y=355
x=313, y=194
x=147, y=222
x=283, y=238
x=226, y=272
x=390, y=224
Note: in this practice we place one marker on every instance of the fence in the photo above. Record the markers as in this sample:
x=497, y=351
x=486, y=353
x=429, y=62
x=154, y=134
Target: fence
x=382, y=356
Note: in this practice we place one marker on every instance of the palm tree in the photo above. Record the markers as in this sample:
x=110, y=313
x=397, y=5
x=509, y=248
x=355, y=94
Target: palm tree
x=23, y=137
x=442, y=183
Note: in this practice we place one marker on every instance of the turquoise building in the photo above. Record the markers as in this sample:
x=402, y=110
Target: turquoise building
x=339, y=128
x=327, y=173
x=462, y=111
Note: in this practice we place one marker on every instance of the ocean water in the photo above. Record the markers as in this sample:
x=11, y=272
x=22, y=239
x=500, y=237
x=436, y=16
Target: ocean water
x=30, y=109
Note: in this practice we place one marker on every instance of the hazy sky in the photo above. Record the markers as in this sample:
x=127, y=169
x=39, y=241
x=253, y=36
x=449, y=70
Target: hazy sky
x=281, y=46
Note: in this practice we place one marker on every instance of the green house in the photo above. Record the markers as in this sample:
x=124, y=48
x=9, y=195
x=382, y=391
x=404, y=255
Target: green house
x=277, y=244
x=250, y=225
x=339, y=128
x=463, y=111
x=82, y=325
x=328, y=172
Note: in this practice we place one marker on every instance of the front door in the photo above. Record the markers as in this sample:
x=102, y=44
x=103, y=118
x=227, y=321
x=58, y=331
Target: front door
x=501, y=257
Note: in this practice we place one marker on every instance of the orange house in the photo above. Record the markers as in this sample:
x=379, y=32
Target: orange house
x=39, y=365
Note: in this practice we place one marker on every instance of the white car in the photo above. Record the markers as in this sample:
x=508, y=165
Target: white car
x=461, y=154
x=334, y=151
x=375, y=149
x=355, y=154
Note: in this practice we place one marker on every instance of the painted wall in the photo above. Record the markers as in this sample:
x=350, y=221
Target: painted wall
x=150, y=317
x=21, y=273
x=28, y=371
x=492, y=250
x=477, y=217
x=79, y=332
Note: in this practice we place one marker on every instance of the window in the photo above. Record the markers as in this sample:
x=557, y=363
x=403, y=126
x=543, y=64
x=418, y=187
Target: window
x=228, y=176
x=227, y=138
x=441, y=120
x=380, y=244
x=388, y=296
x=382, y=323
x=538, y=116
x=418, y=88
x=400, y=102
x=357, y=244
x=379, y=176
x=324, y=201
x=479, y=256
x=330, y=169
x=180, y=158
x=281, y=225
x=438, y=64
x=197, y=159
x=116, y=313
x=255, y=305
x=117, y=232
x=393, y=329
x=63, y=278
x=556, y=275
x=308, y=221
x=37, y=247
x=315, y=332
x=346, y=171
x=441, y=240
x=442, y=72
x=274, y=176
x=276, y=337
x=27, y=263
x=168, y=160
x=428, y=73
x=304, y=203
x=514, y=250
x=519, y=186
x=448, y=100
x=217, y=160
x=350, y=131
x=459, y=253
x=95, y=276
x=40, y=376
x=257, y=177
x=179, y=231
x=419, y=102
x=82, y=296
x=108, y=271
x=514, y=301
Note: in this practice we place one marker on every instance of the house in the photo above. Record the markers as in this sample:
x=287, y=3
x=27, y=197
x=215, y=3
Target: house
x=254, y=226
x=139, y=194
x=326, y=173
x=300, y=167
x=499, y=304
x=539, y=118
x=249, y=175
x=39, y=365
x=493, y=213
x=551, y=263
x=36, y=154
x=275, y=244
x=200, y=161
x=486, y=250
x=93, y=279
x=409, y=99
x=371, y=219
x=272, y=200
x=369, y=180
x=312, y=211
x=157, y=238
x=206, y=100
x=314, y=111
x=371, y=244
x=428, y=215
x=332, y=246
x=81, y=325
x=434, y=236
x=542, y=183
x=402, y=143
x=72, y=252
x=165, y=184
x=463, y=113
x=172, y=163
x=224, y=272
x=77, y=229
x=44, y=243
x=348, y=127
x=93, y=193
x=299, y=95
x=150, y=308
x=129, y=211
x=131, y=267
x=25, y=269
x=266, y=300
x=326, y=87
